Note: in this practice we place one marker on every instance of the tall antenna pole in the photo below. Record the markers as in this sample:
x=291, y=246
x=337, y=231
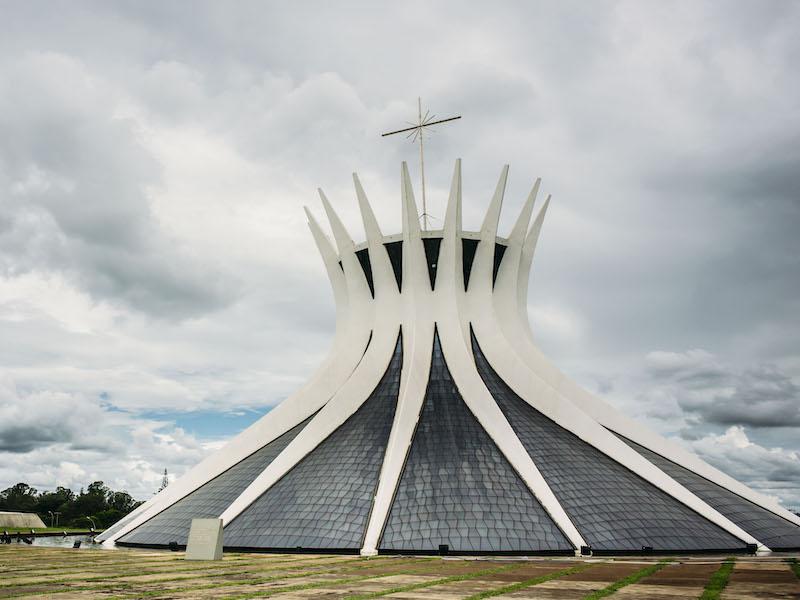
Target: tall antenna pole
x=422, y=169
x=415, y=132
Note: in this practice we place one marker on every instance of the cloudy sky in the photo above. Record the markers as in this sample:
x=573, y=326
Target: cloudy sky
x=159, y=289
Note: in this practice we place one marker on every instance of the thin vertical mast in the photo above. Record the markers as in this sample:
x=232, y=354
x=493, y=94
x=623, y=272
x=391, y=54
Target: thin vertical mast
x=422, y=169
x=415, y=132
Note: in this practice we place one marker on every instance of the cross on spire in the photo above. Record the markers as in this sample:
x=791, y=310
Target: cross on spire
x=415, y=132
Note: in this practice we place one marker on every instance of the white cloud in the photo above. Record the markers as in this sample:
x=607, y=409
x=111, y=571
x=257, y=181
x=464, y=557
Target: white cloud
x=671, y=362
x=759, y=396
x=773, y=471
x=743, y=420
x=53, y=438
x=555, y=322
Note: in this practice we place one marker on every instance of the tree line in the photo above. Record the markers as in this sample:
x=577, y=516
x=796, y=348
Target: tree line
x=97, y=504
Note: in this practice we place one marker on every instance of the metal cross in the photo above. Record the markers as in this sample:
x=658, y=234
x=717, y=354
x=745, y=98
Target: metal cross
x=415, y=133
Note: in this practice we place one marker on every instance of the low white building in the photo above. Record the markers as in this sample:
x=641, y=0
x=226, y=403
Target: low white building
x=20, y=519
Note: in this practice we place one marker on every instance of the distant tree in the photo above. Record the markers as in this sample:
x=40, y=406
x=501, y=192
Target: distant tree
x=92, y=501
x=20, y=497
x=121, y=501
x=97, y=501
x=119, y=504
x=57, y=501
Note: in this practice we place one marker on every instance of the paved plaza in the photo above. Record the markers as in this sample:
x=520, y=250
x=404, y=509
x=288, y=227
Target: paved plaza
x=31, y=572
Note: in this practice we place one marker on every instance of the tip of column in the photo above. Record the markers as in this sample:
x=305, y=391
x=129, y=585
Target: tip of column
x=367, y=552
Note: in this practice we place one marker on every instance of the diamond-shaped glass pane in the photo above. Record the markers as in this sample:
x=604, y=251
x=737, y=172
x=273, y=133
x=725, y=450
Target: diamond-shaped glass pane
x=209, y=500
x=324, y=501
x=458, y=489
x=613, y=508
x=768, y=528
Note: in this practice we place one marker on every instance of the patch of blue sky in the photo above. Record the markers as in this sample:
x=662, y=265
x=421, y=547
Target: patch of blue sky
x=209, y=424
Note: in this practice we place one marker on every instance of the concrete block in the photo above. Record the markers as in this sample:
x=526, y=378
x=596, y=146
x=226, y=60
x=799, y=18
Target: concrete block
x=205, y=540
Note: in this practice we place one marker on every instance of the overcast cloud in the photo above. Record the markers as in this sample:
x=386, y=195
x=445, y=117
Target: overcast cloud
x=159, y=289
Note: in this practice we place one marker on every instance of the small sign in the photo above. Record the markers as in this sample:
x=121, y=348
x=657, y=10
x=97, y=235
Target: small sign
x=205, y=540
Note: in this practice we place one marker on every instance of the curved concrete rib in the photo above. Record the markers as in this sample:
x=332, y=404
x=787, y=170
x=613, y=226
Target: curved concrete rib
x=504, y=340
x=418, y=328
x=415, y=269
x=353, y=392
x=556, y=407
x=523, y=278
x=459, y=356
x=514, y=321
x=331, y=262
x=483, y=264
x=383, y=278
x=350, y=341
x=341, y=407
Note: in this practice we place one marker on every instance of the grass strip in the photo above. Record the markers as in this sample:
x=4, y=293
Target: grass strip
x=27, y=530
x=136, y=569
x=105, y=557
x=117, y=574
x=440, y=581
x=625, y=581
x=66, y=562
x=316, y=584
x=521, y=585
x=118, y=565
x=131, y=585
x=718, y=580
x=258, y=581
x=301, y=586
x=218, y=573
x=794, y=565
x=48, y=570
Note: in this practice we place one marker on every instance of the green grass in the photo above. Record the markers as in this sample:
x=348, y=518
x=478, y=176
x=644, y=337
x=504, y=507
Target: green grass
x=718, y=580
x=69, y=564
x=123, y=565
x=528, y=583
x=440, y=581
x=15, y=530
x=134, y=570
x=630, y=579
x=319, y=584
x=202, y=574
x=280, y=576
x=122, y=573
x=301, y=586
x=794, y=565
x=107, y=584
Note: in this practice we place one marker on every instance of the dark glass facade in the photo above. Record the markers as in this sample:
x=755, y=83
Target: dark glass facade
x=767, y=527
x=210, y=500
x=458, y=489
x=468, y=249
x=323, y=502
x=499, y=251
x=363, y=259
x=614, y=509
x=395, y=252
x=432, y=246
